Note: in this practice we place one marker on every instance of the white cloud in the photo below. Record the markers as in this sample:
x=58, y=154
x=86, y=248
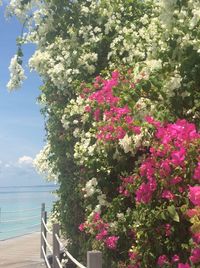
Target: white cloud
x=18, y=173
x=25, y=160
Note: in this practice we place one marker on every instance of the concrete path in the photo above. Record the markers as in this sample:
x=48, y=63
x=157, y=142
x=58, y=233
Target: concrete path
x=21, y=252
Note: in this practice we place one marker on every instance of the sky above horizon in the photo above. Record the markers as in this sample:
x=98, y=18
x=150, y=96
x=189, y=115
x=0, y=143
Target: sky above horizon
x=21, y=124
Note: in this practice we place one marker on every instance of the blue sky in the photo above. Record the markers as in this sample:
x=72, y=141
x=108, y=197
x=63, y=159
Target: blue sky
x=21, y=124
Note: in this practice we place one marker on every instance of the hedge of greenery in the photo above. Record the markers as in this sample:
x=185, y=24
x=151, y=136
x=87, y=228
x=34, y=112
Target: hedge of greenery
x=121, y=102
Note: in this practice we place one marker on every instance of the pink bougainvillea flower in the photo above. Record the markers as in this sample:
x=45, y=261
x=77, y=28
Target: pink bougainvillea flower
x=195, y=255
x=102, y=234
x=120, y=111
x=179, y=132
x=162, y=260
x=196, y=238
x=147, y=168
x=136, y=130
x=178, y=157
x=128, y=119
x=120, y=133
x=152, y=121
x=115, y=74
x=132, y=255
x=175, y=258
x=98, y=79
x=191, y=212
x=88, y=108
x=144, y=193
x=111, y=242
x=96, y=85
x=168, y=195
x=96, y=217
x=168, y=230
x=100, y=225
x=197, y=172
x=183, y=129
x=182, y=265
x=165, y=167
x=194, y=195
x=181, y=189
x=105, y=94
x=175, y=180
x=96, y=114
x=86, y=90
x=81, y=227
x=152, y=184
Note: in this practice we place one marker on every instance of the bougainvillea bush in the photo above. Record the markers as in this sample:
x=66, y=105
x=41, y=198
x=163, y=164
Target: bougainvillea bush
x=140, y=175
x=122, y=146
x=165, y=190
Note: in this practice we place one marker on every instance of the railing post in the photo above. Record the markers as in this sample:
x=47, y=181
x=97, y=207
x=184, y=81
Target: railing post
x=43, y=229
x=56, y=245
x=94, y=259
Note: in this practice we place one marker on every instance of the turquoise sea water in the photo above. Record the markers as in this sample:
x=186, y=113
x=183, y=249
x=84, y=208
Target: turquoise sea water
x=20, y=209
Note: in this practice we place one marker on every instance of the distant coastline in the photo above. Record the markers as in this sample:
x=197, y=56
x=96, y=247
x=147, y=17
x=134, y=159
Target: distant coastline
x=29, y=186
x=27, y=189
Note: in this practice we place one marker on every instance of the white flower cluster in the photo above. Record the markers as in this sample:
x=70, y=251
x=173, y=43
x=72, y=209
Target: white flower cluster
x=89, y=190
x=133, y=142
x=150, y=42
x=143, y=39
x=62, y=62
x=173, y=83
x=84, y=149
x=86, y=145
x=23, y=9
x=18, y=9
x=75, y=107
x=127, y=144
x=144, y=107
x=43, y=164
x=54, y=62
x=90, y=187
x=16, y=74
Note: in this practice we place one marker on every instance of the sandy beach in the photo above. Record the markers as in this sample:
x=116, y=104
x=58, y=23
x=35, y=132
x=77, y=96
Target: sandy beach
x=21, y=252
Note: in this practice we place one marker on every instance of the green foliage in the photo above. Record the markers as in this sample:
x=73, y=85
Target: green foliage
x=154, y=45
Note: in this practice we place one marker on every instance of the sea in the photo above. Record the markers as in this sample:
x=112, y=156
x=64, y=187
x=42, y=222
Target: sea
x=20, y=208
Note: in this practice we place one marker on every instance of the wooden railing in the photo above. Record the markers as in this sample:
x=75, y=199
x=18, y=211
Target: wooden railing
x=53, y=252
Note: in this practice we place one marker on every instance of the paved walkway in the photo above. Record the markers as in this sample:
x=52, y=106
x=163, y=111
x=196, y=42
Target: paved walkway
x=21, y=252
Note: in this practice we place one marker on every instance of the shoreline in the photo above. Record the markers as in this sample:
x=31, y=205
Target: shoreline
x=18, y=236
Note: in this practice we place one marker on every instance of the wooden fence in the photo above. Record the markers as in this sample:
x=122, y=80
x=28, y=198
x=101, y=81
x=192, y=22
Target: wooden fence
x=52, y=251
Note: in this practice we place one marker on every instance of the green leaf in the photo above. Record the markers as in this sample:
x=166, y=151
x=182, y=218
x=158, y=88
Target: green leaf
x=162, y=215
x=172, y=212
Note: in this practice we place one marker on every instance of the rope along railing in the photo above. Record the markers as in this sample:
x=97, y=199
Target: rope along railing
x=94, y=258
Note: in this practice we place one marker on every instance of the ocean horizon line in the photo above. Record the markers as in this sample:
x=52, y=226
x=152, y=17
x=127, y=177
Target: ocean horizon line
x=29, y=186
